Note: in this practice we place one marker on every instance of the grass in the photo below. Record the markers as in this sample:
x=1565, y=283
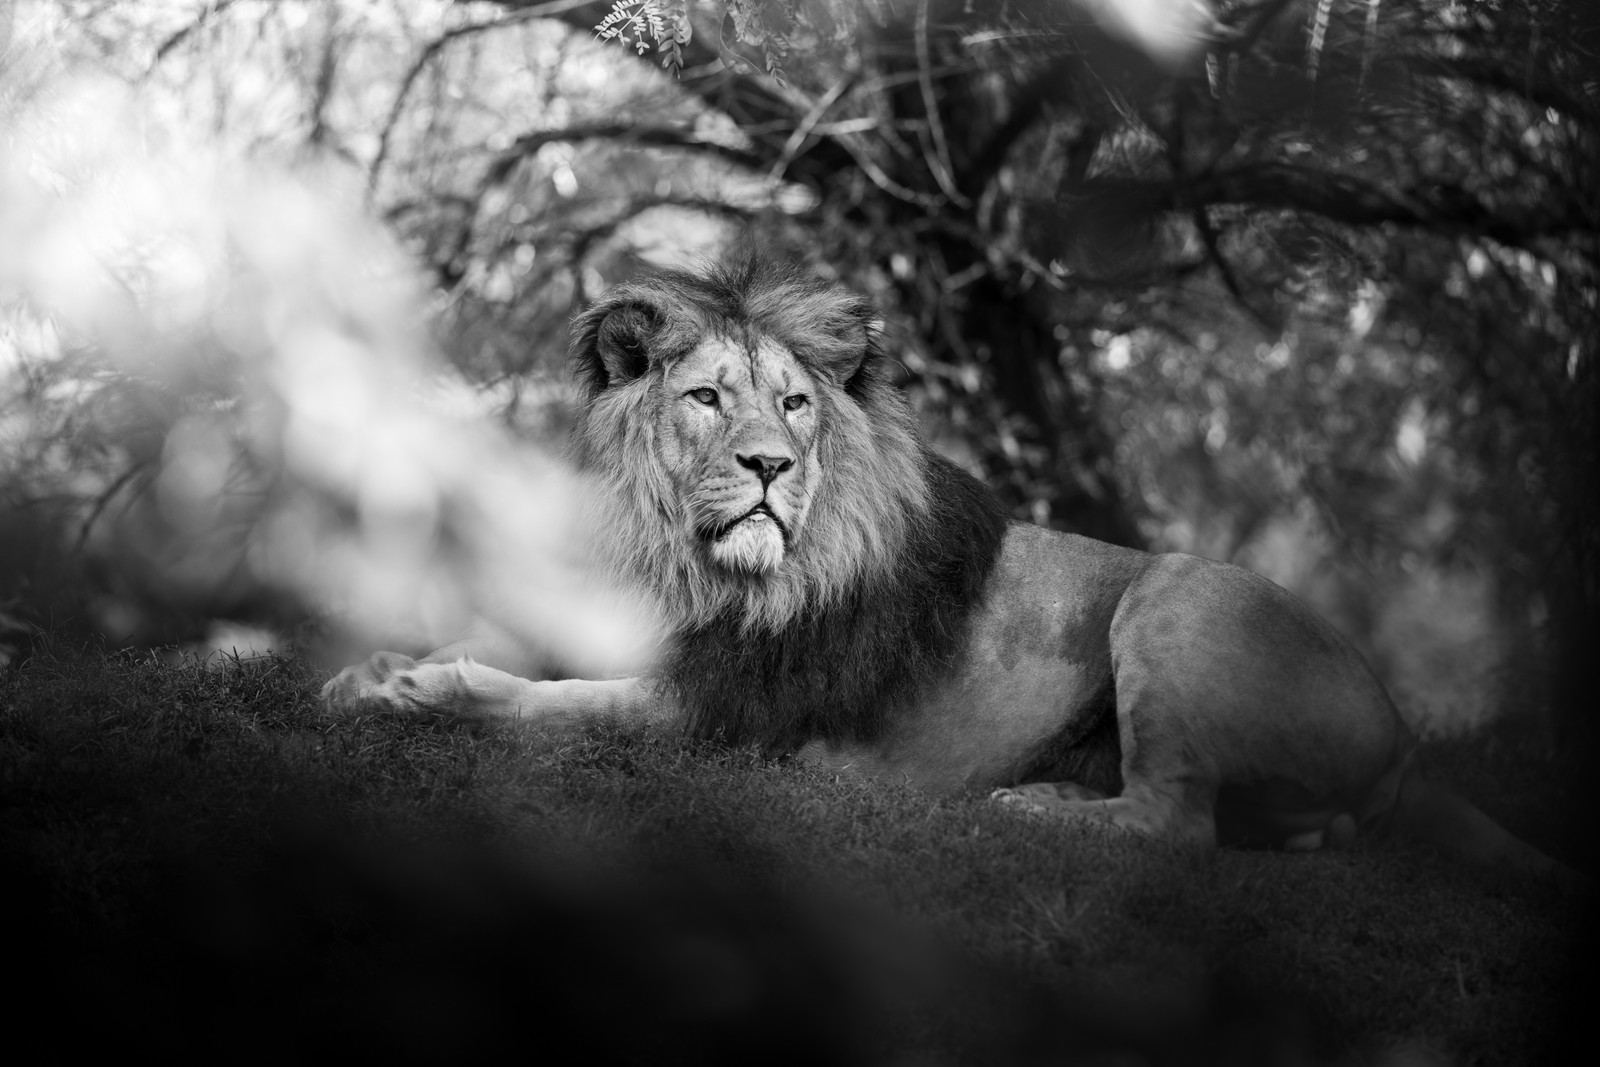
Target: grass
x=198, y=860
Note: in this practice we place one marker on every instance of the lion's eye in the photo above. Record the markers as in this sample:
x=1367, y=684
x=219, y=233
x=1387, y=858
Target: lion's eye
x=704, y=396
x=795, y=402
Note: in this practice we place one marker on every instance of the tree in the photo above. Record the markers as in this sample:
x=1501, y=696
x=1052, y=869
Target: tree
x=1248, y=257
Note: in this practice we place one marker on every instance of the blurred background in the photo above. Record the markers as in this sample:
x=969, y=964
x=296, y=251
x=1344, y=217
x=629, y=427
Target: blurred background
x=1308, y=285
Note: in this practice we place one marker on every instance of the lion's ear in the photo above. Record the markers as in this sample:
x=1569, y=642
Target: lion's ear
x=856, y=335
x=611, y=342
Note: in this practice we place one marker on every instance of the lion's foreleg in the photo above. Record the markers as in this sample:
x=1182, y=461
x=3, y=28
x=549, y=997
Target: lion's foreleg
x=467, y=689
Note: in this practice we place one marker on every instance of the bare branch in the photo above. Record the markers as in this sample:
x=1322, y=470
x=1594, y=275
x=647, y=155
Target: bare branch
x=802, y=104
x=999, y=256
x=880, y=177
x=1319, y=35
x=1258, y=19
x=620, y=132
x=808, y=125
x=1050, y=84
x=139, y=469
x=327, y=71
x=1349, y=200
x=210, y=10
x=941, y=167
x=582, y=241
x=538, y=11
x=1230, y=281
x=1487, y=75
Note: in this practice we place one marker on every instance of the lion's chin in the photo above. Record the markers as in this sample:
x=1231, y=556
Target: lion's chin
x=754, y=546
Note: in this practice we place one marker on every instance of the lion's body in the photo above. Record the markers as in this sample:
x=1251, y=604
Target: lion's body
x=1213, y=698
x=837, y=590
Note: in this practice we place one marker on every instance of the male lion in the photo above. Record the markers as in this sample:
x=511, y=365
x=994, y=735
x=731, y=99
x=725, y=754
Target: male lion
x=833, y=588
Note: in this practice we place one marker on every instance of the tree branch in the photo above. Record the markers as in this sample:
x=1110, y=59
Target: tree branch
x=581, y=241
x=139, y=469
x=621, y=132
x=751, y=101
x=1487, y=75
x=549, y=9
x=1022, y=263
x=1049, y=85
x=323, y=84
x=1256, y=20
x=791, y=147
x=1345, y=199
x=1230, y=281
x=943, y=172
x=210, y=10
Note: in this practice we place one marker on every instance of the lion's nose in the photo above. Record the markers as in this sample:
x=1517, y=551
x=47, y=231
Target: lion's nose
x=766, y=467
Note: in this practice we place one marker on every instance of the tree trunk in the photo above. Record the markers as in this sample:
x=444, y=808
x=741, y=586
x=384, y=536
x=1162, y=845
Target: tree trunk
x=1008, y=335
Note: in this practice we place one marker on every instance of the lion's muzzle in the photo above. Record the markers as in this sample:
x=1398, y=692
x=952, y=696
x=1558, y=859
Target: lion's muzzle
x=756, y=542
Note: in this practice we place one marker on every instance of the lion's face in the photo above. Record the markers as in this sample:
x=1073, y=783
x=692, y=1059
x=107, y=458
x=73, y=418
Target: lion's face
x=747, y=452
x=738, y=425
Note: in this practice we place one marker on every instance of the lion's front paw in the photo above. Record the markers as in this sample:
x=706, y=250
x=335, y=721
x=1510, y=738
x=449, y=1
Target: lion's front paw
x=384, y=683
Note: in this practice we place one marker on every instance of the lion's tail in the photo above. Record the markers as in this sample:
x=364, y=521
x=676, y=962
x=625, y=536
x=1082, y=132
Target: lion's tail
x=1429, y=811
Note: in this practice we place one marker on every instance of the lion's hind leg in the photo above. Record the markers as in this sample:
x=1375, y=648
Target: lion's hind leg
x=1043, y=796
x=1179, y=816
x=1282, y=815
x=1334, y=831
x=1338, y=833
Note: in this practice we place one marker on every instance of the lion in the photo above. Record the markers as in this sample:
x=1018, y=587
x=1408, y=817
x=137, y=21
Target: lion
x=836, y=590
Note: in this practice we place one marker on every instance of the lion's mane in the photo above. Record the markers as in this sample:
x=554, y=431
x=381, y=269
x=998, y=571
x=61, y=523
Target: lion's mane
x=871, y=603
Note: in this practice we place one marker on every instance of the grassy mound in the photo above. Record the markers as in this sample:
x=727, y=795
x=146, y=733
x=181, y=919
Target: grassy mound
x=198, y=862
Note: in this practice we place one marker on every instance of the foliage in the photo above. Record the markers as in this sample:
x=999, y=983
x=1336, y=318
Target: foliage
x=771, y=28
x=665, y=22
